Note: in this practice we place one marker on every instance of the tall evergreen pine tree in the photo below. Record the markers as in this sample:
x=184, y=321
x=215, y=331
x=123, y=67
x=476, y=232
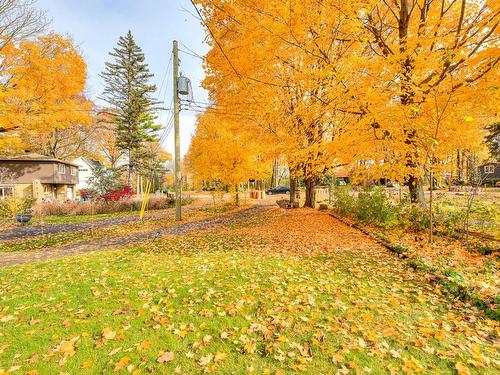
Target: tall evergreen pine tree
x=128, y=93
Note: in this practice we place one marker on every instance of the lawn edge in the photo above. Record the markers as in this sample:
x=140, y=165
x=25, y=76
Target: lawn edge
x=455, y=289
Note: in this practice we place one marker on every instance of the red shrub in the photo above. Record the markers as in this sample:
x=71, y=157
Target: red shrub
x=118, y=194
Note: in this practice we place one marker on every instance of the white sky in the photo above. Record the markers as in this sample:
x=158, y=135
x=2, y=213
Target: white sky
x=96, y=25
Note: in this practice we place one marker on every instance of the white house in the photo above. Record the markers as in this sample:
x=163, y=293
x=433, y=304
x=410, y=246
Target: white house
x=86, y=169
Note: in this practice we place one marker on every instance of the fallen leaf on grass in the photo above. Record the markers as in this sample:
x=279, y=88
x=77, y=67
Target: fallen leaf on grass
x=144, y=345
x=205, y=360
x=108, y=333
x=165, y=357
x=462, y=369
x=219, y=357
x=114, y=351
x=122, y=363
x=6, y=318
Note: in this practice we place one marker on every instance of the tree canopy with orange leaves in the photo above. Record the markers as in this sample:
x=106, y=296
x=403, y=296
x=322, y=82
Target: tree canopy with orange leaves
x=324, y=83
x=42, y=89
x=221, y=152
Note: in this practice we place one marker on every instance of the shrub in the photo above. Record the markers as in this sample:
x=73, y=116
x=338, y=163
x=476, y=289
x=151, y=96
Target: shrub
x=343, y=202
x=114, y=195
x=491, y=181
x=105, y=207
x=11, y=206
x=485, y=249
x=413, y=217
x=450, y=221
x=375, y=208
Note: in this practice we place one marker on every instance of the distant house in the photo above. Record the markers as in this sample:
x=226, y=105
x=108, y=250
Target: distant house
x=342, y=174
x=86, y=168
x=489, y=170
x=37, y=176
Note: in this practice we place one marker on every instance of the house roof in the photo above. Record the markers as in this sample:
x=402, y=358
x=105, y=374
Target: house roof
x=91, y=163
x=488, y=163
x=341, y=172
x=33, y=157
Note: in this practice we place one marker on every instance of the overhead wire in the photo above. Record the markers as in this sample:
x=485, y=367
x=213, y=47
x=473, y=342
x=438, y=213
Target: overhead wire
x=192, y=54
x=190, y=51
x=240, y=76
x=164, y=84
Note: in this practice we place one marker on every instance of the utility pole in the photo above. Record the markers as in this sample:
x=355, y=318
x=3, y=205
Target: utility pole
x=178, y=214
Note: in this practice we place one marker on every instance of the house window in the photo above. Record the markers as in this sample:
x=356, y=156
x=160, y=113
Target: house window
x=61, y=168
x=73, y=171
x=6, y=191
x=489, y=169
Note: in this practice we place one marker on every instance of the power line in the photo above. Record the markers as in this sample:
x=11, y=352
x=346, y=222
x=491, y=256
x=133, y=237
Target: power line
x=227, y=58
x=191, y=51
x=218, y=105
x=165, y=129
x=217, y=109
x=164, y=77
x=203, y=110
x=192, y=54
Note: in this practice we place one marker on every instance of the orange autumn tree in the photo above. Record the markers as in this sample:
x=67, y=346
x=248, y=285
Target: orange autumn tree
x=341, y=82
x=286, y=63
x=220, y=152
x=42, y=89
x=428, y=70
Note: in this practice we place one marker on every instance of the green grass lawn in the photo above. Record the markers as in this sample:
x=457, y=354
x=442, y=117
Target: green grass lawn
x=66, y=238
x=67, y=219
x=235, y=301
x=63, y=219
x=85, y=218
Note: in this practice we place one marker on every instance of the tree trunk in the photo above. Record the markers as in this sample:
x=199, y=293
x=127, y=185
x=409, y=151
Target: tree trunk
x=413, y=188
x=275, y=177
x=237, y=197
x=293, y=189
x=310, y=193
x=416, y=189
x=431, y=229
x=129, y=168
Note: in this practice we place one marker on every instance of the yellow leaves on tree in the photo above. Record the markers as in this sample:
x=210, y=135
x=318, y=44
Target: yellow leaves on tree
x=329, y=82
x=42, y=90
x=221, y=152
x=428, y=68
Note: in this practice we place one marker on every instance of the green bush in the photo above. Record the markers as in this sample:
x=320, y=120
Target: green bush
x=485, y=249
x=413, y=217
x=491, y=181
x=11, y=206
x=451, y=222
x=375, y=208
x=343, y=202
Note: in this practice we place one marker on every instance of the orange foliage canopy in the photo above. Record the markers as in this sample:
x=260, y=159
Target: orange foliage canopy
x=42, y=88
x=221, y=152
x=402, y=84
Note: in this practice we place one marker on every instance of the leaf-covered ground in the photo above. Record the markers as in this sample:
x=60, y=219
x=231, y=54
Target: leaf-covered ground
x=283, y=292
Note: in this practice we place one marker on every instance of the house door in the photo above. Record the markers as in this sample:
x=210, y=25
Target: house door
x=69, y=193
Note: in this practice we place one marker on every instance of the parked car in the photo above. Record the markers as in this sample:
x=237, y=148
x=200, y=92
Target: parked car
x=278, y=190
